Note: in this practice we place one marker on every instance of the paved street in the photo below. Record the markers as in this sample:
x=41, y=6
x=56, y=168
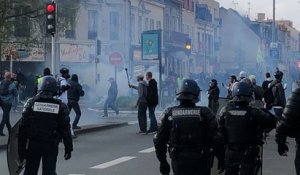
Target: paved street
x=120, y=151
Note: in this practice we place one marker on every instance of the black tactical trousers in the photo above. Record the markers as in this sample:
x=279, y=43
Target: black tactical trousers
x=6, y=107
x=191, y=164
x=236, y=163
x=74, y=105
x=297, y=160
x=37, y=151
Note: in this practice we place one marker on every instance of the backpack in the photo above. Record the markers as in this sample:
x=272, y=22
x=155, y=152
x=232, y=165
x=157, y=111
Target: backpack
x=4, y=87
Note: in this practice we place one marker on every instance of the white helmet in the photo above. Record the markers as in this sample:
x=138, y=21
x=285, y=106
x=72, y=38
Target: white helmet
x=243, y=74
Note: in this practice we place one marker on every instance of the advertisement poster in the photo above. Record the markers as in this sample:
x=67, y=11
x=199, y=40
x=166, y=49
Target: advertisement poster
x=150, y=46
x=77, y=53
x=22, y=52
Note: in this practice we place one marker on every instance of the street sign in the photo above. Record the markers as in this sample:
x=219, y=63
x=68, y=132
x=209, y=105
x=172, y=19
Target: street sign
x=115, y=58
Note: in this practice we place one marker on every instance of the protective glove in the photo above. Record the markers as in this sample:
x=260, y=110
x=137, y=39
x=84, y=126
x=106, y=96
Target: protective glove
x=67, y=155
x=164, y=168
x=283, y=149
x=221, y=166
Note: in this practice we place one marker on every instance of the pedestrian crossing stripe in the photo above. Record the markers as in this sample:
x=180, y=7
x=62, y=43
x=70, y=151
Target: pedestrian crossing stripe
x=113, y=162
x=149, y=150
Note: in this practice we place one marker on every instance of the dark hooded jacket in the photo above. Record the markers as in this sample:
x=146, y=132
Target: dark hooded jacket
x=75, y=90
x=278, y=93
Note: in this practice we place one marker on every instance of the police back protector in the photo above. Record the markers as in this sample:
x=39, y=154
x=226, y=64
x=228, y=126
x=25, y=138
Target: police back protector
x=188, y=129
x=240, y=126
x=44, y=120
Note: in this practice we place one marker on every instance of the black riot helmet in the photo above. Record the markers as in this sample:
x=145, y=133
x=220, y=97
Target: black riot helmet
x=64, y=73
x=242, y=89
x=48, y=84
x=188, y=90
x=278, y=74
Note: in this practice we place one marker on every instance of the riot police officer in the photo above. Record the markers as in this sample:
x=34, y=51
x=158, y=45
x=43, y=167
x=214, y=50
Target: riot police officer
x=44, y=123
x=189, y=132
x=242, y=127
x=289, y=127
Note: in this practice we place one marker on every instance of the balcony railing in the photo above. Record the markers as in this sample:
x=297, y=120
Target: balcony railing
x=172, y=38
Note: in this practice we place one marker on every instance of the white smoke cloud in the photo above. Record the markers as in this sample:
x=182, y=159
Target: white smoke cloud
x=287, y=9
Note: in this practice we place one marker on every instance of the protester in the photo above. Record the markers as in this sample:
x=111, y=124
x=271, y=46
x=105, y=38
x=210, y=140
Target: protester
x=152, y=101
x=111, y=97
x=213, y=96
x=268, y=97
x=74, y=94
x=8, y=91
x=141, y=103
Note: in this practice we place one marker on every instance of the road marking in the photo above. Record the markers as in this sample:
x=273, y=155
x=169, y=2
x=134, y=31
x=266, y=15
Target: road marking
x=149, y=150
x=76, y=174
x=133, y=122
x=96, y=110
x=113, y=162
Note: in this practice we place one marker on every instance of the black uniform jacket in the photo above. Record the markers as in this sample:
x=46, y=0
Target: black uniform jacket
x=47, y=127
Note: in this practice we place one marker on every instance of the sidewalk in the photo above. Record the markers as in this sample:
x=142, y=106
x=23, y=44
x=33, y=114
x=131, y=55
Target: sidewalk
x=91, y=120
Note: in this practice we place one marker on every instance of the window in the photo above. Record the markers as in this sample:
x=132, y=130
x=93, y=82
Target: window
x=199, y=41
x=173, y=24
x=92, y=24
x=185, y=5
x=167, y=21
x=187, y=29
x=151, y=24
x=192, y=32
x=193, y=6
x=22, y=23
x=177, y=24
x=140, y=28
x=146, y=23
x=140, y=25
x=132, y=27
x=114, y=25
x=158, y=25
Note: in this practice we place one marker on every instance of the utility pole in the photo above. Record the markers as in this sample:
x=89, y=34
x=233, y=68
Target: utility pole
x=273, y=24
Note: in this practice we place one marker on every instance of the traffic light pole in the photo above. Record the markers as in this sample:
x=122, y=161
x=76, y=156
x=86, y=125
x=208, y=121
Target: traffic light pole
x=53, y=55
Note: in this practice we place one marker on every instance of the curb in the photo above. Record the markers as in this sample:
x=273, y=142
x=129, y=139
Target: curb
x=88, y=128
x=91, y=128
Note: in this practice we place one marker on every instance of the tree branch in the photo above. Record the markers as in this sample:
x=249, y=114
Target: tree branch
x=22, y=14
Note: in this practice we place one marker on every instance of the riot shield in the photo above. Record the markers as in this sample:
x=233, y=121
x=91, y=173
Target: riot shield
x=15, y=166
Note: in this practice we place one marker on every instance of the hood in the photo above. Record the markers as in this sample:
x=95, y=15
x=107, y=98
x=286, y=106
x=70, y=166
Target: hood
x=74, y=77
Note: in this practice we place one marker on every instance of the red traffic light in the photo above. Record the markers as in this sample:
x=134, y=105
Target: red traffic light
x=50, y=8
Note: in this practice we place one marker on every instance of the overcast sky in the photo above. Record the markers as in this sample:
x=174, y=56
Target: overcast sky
x=285, y=9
